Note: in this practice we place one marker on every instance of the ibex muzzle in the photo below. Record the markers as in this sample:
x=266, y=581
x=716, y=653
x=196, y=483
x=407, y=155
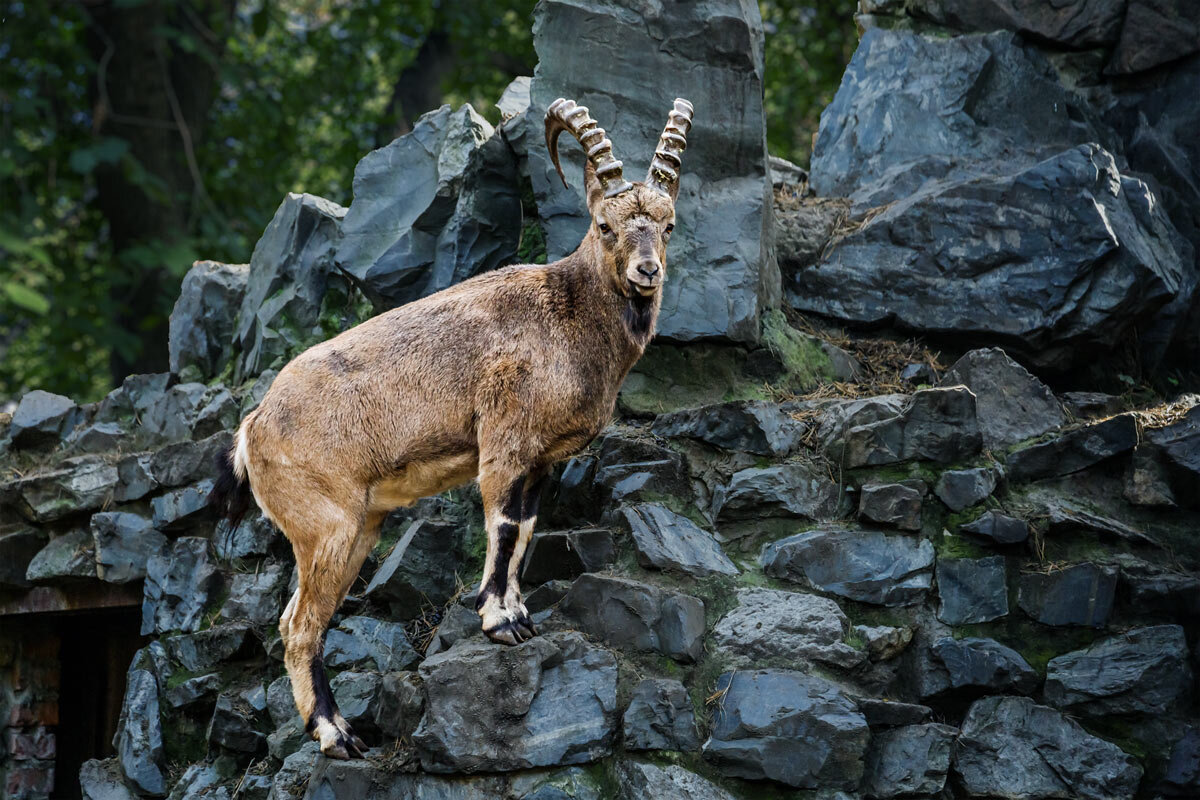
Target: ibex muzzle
x=495, y=379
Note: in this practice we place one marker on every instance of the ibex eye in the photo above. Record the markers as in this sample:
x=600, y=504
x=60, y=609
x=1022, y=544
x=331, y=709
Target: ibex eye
x=604, y=228
x=670, y=227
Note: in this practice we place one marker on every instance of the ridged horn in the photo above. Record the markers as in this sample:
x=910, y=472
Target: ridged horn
x=664, y=167
x=565, y=115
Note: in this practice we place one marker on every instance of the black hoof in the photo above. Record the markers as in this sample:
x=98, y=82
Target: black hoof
x=511, y=633
x=343, y=745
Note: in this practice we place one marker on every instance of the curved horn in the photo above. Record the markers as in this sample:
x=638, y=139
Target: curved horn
x=664, y=167
x=564, y=115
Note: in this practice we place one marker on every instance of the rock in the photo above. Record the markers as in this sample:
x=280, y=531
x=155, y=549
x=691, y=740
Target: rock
x=433, y=208
x=864, y=565
x=882, y=713
x=555, y=704
x=1155, y=32
x=255, y=596
x=571, y=496
x=895, y=269
x=460, y=622
x=789, y=489
x=753, y=426
x=369, y=643
x=71, y=555
x=1045, y=754
x=180, y=582
x=841, y=416
x=172, y=416
x=1064, y=517
x=101, y=780
x=356, y=695
x=1182, y=775
x=568, y=554
x=1081, y=594
x=78, y=485
x=936, y=425
x=203, y=320
x=660, y=717
x=1159, y=591
x=280, y=704
x=399, y=704
x=253, y=536
x=124, y=542
x=1092, y=404
x=293, y=778
x=979, y=664
x=1074, y=450
x=200, y=782
x=181, y=509
x=101, y=437
x=139, y=741
x=1079, y=24
x=191, y=690
x=627, y=613
x=972, y=590
x=910, y=760
x=1000, y=528
x=789, y=727
x=17, y=549
x=219, y=413
x=189, y=462
x=367, y=780
x=1143, y=671
x=804, y=228
x=420, y=570
x=208, y=649
x=236, y=719
x=723, y=275
x=963, y=488
x=1173, y=455
x=642, y=481
x=43, y=419
x=891, y=504
x=669, y=541
x=883, y=642
x=1012, y=404
x=914, y=110
x=546, y=595
x=638, y=779
x=768, y=623
x=133, y=478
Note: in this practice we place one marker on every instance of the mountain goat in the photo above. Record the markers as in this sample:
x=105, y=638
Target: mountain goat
x=495, y=378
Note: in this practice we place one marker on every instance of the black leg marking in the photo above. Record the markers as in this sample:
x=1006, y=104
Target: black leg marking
x=532, y=498
x=507, y=533
x=325, y=710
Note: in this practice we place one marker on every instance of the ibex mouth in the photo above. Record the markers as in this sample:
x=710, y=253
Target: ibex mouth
x=644, y=289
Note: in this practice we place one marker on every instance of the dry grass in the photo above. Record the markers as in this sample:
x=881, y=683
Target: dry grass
x=1166, y=414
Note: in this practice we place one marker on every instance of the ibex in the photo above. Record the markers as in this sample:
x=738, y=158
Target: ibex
x=495, y=378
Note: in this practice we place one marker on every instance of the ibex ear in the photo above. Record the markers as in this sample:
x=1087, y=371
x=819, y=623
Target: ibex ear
x=592, y=186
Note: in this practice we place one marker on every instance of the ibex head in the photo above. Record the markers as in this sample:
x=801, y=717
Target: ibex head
x=631, y=221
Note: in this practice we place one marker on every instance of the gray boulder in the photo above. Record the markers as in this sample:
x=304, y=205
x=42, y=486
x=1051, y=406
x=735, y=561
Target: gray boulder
x=200, y=782
x=133, y=478
x=909, y=760
x=292, y=278
x=183, y=509
x=433, y=208
x=1155, y=32
x=975, y=665
x=203, y=320
x=357, y=698
x=628, y=613
x=421, y=568
x=292, y=780
x=43, y=419
x=139, y=739
x=963, y=488
x=972, y=590
x=369, y=643
x=172, y=416
x=124, y=542
x=638, y=779
x=753, y=426
x=237, y=719
x=1172, y=455
x=567, y=554
x=206, y=650
x=79, y=484
x=1045, y=754
x=253, y=536
x=1074, y=450
x=883, y=642
x=181, y=581
x=883, y=713
x=840, y=416
x=1012, y=404
x=489, y=708
x=721, y=259
x=999, y=528
x=399, y=704
x=891, y=504
x=71, y=555
x=789, y=727
x=254, y=597
x=935, y=425
x=793, y=627
x=864, y=565
x=669, y=541
x=803, y=228
x=1077, y=24
x=793, y=490
x=17, y=549
x=102, y=437
x=660, y=717
x=1181, y=777
x=1143, y=671
x=1081, y=594
x=101, y=780
x=188, y=462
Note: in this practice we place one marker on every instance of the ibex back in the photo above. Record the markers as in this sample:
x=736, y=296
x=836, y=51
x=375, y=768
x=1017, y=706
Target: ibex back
x=495, y=378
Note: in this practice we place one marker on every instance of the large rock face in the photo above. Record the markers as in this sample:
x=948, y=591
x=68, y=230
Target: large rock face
x=768, y=623
x=204, y=316
x=491, y=708
x=721, y=264
x=432, y=208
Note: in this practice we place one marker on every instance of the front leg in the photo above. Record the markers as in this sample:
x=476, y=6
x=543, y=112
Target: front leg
x=499, y=603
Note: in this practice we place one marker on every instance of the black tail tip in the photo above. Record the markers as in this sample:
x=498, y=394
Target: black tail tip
x=230, y=496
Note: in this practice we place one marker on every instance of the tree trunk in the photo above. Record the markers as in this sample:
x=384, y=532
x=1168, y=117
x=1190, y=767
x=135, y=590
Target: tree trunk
x=419, y=88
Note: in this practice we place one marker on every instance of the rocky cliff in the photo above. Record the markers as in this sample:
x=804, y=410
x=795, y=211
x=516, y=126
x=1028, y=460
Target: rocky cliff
x=801, y=563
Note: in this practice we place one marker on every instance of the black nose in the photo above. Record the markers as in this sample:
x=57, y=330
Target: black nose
x=649, y=270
